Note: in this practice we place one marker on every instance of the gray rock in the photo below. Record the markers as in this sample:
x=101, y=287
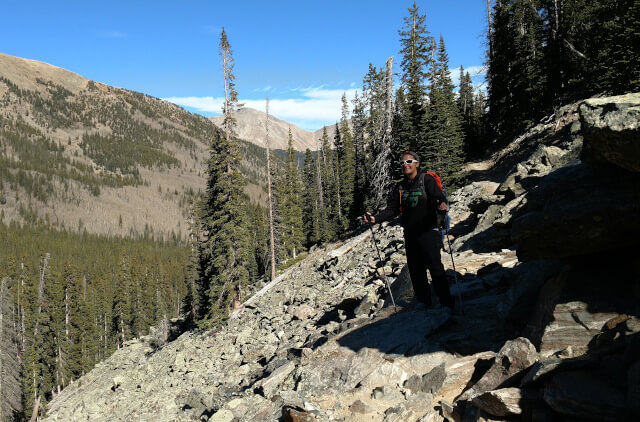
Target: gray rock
x=430, y=382
x=387, y=393
x=515, y=356
x=396, y=413
x=368, y=303
x=222, y=415
x=359, y=406
x=583, y=395
x=505, y=401
x=273, y=382
x=611, y=130
x=479, y=204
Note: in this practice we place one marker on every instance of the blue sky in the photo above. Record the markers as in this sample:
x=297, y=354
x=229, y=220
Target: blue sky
x=305, y=54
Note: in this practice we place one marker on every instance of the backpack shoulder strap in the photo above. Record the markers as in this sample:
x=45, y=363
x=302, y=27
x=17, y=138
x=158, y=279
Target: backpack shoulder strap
x=422, y=188
x=436, y=178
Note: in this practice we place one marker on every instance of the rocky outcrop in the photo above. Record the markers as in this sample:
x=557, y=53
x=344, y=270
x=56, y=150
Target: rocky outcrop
x=554, y=338
x=577, y=210
x=611, y=128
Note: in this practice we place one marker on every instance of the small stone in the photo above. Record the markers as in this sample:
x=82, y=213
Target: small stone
x=222, y=415
x=303, y=312
x=359, y=406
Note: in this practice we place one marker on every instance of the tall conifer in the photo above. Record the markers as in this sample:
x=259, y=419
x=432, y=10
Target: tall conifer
x=416, y=51
x=225, y=251
x=444, y=153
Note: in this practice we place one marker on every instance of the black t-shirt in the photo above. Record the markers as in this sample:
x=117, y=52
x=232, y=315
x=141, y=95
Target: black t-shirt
x=419, y=213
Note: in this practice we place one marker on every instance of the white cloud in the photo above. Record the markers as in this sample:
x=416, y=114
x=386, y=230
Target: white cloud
x=317, y=107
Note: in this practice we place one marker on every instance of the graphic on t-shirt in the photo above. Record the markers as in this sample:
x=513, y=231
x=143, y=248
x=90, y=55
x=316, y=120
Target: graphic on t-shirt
x=411, y=198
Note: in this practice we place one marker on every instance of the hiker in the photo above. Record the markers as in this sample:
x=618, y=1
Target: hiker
x=418, y=199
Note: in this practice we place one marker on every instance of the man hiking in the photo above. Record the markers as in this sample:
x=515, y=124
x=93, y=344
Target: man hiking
x=418, y=199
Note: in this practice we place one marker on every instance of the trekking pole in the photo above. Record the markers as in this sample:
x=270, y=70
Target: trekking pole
x=455, y=273
x=383, y=272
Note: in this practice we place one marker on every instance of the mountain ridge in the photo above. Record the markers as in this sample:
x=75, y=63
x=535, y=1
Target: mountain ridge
x=251, y=127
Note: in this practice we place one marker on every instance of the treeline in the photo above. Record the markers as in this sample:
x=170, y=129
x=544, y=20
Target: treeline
x=547, y=53
x=70, y=300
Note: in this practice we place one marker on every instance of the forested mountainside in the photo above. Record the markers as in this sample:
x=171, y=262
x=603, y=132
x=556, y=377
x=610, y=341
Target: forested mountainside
x=98, y=195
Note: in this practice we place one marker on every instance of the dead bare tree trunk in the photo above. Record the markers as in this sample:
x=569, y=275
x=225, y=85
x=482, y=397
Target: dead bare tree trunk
x=272, y=249
x=319, y=178
x=382, y=174
x=36, y=409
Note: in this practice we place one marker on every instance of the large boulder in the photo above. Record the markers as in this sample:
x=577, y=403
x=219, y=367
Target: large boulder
x=574, y=305
x=586, y=396
x=515, y=356
x=578, y=210
x=611, y=130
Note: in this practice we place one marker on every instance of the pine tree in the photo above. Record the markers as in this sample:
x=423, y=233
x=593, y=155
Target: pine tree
x=87, y=318
x=327, y=188
x=498, y=72
x=194, y=301
x=527, y=67
x=346, y=157
x=292, y=232
x=225, y=251
x=230, y=93
x=402, y=134
x=516, y=70
x=360, y=187
x=122, y=308
x=40, y=361
x=338, y=218
x=310, y=199
x=417, y=60
x=70, y=342
x=10, y=364
x=444, y=151
x=259, y=232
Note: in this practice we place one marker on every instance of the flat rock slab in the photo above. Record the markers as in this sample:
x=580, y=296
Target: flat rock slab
x=399, y=333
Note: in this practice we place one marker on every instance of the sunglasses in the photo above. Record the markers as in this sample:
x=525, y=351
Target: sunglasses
x=403, y=162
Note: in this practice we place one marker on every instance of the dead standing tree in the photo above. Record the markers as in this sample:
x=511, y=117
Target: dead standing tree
x=381, y=166
x=272, y=248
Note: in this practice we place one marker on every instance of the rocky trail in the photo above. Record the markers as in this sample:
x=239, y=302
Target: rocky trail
x=549, y=330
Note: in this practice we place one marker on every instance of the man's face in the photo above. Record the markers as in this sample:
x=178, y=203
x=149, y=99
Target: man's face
x=409, y=169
